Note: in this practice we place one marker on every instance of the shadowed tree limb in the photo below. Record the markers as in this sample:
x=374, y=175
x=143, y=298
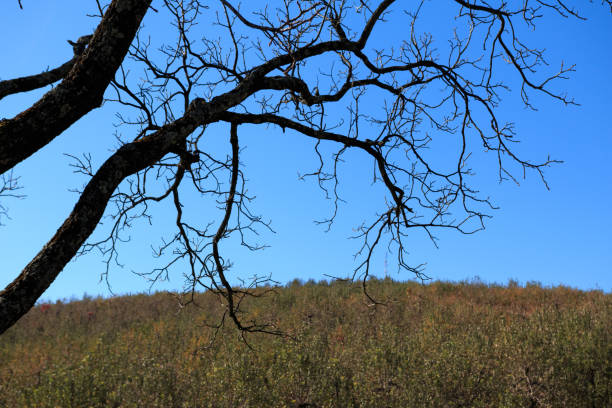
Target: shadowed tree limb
x=29, y=83
x=81, y=90
x=20, y=295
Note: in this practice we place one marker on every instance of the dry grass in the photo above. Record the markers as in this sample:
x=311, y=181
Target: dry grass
x=437, y=345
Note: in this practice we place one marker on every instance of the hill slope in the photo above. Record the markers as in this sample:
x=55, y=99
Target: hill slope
x=434, y=345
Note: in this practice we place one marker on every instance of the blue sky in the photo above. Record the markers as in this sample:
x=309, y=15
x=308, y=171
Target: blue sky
x=561, y=236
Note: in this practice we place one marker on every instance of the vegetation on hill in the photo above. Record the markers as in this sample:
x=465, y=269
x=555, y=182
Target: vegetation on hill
x=436, y=345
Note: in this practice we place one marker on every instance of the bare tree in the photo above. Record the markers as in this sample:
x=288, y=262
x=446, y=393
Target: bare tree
x=305, y=67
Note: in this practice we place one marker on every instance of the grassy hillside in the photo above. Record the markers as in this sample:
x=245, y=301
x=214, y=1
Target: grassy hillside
x=437, y=345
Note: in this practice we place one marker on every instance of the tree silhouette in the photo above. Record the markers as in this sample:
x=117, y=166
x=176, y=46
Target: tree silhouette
x=305, y=67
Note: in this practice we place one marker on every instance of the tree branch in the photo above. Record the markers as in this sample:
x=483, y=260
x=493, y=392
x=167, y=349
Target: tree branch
x=20, y=295
x=80, y=92
x=29, y=83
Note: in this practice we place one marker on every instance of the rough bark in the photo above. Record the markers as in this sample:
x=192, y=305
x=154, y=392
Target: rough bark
x=81, y=90
x=20, y=295
x=31, y=82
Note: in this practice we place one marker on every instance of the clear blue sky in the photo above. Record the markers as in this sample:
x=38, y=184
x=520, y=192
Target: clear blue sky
x=556, y=237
